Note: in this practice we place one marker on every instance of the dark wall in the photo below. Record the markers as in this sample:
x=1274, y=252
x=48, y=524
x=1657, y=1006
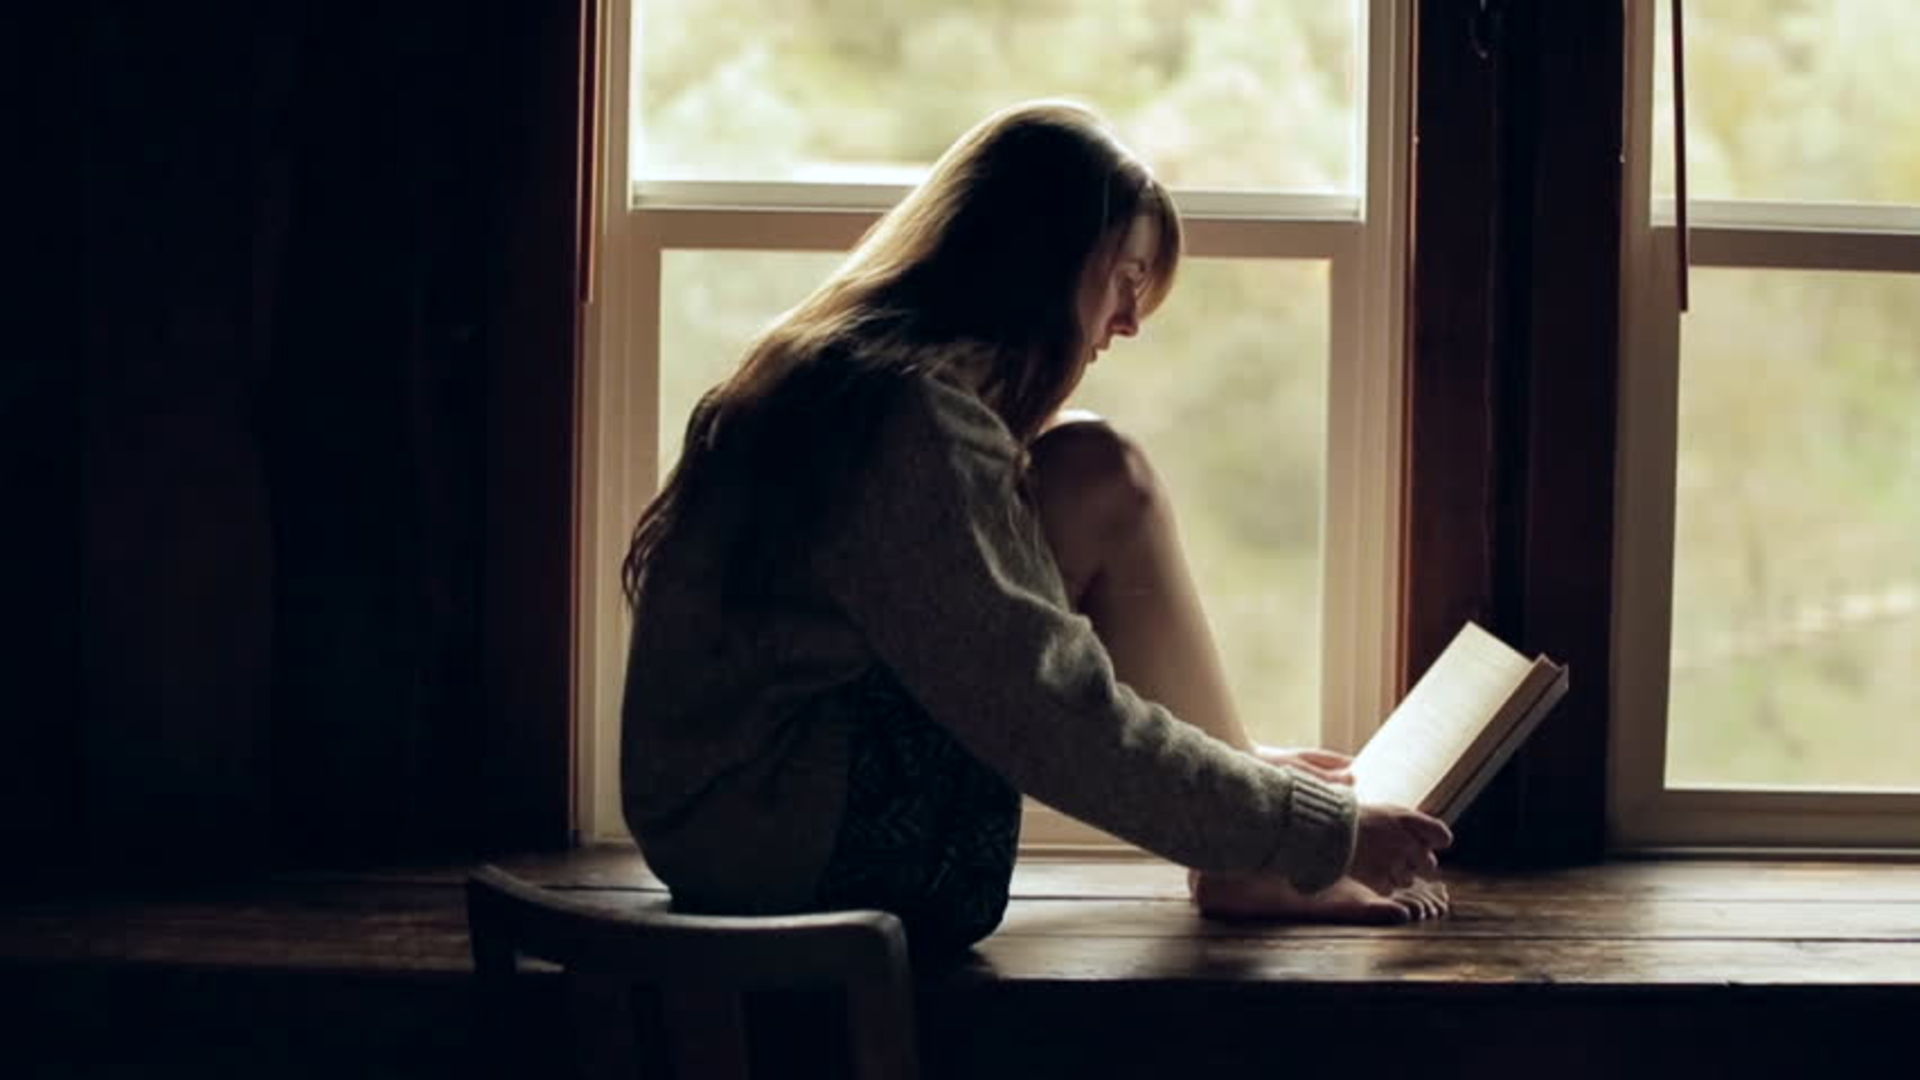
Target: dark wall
x=289, y=491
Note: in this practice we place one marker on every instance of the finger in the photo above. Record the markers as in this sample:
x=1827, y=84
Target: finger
x=1434, y=893
x=1423, y=899
x=1315, y=763
x=1429, y=830
x=1331, y=776
x=1428, y=863
x=1389, y=911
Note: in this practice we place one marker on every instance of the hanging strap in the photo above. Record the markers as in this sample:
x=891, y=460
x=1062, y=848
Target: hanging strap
x=1680, y=150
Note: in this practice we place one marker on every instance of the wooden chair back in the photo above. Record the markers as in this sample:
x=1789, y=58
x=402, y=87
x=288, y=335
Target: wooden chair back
x=701, y=965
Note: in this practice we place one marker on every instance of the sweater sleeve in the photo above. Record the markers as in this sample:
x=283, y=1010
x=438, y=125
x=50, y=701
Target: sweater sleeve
x=946, y=573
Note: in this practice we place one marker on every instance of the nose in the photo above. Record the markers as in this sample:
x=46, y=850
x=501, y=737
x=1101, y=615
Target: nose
x=1126, y=320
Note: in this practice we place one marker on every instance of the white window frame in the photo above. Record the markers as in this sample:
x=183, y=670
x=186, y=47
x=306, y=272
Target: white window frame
x=617, y=454
x=1645, y=811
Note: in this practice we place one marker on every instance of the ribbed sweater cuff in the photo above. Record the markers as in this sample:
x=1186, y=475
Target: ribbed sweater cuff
x=1319, y=835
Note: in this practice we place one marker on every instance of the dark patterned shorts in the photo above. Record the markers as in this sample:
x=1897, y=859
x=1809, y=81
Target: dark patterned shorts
x=929, y=832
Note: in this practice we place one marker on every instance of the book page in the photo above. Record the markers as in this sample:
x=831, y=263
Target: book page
x=1439, y=719
x=1545, y=685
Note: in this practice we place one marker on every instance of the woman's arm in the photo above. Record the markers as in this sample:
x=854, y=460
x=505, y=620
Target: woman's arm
x=946, y=573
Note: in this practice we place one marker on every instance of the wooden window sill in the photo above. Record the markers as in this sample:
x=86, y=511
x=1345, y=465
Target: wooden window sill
x=1097, y=962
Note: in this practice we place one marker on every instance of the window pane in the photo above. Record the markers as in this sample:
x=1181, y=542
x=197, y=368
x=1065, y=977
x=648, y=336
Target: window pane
x=1796, y=637
x=1794, y=100
x=1215, y=94
x=1226, y=388
x=711, y=304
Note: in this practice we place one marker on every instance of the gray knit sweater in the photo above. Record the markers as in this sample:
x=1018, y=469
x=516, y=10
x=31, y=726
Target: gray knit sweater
x=939, y=572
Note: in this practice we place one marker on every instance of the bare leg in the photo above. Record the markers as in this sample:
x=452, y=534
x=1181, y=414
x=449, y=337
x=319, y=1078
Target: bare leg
x=1114, y=537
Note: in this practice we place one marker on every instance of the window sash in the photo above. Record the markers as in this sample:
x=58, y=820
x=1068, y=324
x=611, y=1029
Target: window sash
x=1810, y=217
x=1644, y=811
x=618, y=456
x=1292, y=206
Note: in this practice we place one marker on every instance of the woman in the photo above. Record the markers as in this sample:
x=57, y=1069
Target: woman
x=889, y=587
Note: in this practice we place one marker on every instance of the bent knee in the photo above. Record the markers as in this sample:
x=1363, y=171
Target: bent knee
x=1089, y=467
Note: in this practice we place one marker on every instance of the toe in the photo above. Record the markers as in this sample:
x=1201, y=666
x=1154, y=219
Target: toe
x=1389, y=913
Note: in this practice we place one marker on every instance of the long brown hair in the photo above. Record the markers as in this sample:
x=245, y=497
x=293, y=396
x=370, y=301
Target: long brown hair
x=981, y=265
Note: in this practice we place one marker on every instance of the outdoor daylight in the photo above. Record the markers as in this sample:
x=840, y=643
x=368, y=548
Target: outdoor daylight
x=1226, y=386
x=1797, y=585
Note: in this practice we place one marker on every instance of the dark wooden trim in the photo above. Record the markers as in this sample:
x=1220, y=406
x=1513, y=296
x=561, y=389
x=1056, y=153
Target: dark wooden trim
x=1452, y=306
x=1513, y=382
x=1571, y=386
x=533, y=362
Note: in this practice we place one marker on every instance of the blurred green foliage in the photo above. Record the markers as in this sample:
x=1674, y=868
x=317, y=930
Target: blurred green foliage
x=1218, y=94
x=1796, y=611
x=1794, y=100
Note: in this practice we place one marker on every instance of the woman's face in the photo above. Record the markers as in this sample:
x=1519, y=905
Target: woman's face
x=1111, y=290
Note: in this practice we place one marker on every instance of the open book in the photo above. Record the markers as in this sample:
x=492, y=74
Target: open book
x=1457, y=726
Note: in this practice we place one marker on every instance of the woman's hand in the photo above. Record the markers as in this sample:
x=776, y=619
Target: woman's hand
x=1394, y=845
x=1321, y=764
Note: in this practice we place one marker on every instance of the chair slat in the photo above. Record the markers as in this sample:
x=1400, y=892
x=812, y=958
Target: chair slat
x=880, y=1019
x=708, y=1034
x=600, y=1008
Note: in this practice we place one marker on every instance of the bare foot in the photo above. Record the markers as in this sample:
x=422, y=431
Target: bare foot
x=1271, y=897
x=1425, y=899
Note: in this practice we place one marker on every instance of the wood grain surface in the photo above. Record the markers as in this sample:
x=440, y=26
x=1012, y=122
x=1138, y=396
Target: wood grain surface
x=1695, y=968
